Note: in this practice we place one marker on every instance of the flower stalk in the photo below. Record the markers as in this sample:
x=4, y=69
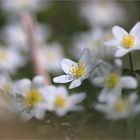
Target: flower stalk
x=36, y=49
x=131, y=64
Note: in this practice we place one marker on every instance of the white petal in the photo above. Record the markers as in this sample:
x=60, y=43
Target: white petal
x=76, y=98
x=62, y=79
x=111, y=43
x=101, y=107
x=121, y=52
x=129, y=82
x=135, y=31
x=75, y=84
x=39, y=113
x=66, y=64
x=137, y=47
x=118, y=32
x=23, y=86
x=24, y=116
x=85, y=56
x=38, y=82
x=98, y=81
x=103, y=96
x=61, y=112
x=109, y=95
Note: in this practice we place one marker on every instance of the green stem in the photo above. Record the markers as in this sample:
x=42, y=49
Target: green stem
x=131, y=63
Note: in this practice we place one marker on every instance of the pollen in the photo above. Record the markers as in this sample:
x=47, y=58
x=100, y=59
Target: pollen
x=128, y=41
x=112, y=80
x=33, y=97
x=60, y=101
x=121, y=105
x=77, y=71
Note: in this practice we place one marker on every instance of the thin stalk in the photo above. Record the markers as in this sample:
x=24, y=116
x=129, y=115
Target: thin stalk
x=131, y=63
x=37, y=53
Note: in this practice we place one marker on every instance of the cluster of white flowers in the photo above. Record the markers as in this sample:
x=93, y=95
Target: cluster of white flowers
x=26, y=99
x=112, y=100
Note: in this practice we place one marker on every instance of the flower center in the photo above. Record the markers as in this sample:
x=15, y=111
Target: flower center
x=60, y=101
x=77, y=71
x=121, y=105
x=128, y=41
x=112, y=80
x=33, y=97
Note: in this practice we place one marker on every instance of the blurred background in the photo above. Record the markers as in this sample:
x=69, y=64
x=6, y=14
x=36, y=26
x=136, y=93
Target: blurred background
x=64, y=28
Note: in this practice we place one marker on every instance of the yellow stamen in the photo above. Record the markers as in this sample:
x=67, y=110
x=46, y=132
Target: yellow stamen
x=128, y=41
x=112, y=80
x=121, y=105
x=33, y=97
x=60, y=101
x=78, y=71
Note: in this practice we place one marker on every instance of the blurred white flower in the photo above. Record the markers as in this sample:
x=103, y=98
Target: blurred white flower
x=8, y=109
x=18, y=6
x=6, y=84
x=15, y=35
x=124, y=41
x=103, y=13
x=112, y=82
x=31, y=100
x=53, y=55
x=119, y=107
x=61, y=102
x=10, y=60
x=76, y=72
x=94, y=41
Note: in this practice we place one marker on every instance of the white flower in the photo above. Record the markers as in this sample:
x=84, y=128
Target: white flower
x=8, y=108
x=10, y=60
x=61, y=102
x=6, y=84
x=31, y=100
x=22, y=5
x=102, y=13
x=15, y=35
x=94, y=41
x=124, y=41
x=53, y=55
x=119, y=107
x=112, y=82
x=76, y=72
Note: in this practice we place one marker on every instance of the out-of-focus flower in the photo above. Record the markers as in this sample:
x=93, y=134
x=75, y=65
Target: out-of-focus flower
x=15, y=35
x=31, y=100
x=124, y=41
x=61, y=102
x=120, y=107
x=76, y=72
x=8, y=108
x=10, y=60
x=53, y=55
x=18, y=6
x=94, y=41
x=6, y=84
x=112, y=81
x=102, y=13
